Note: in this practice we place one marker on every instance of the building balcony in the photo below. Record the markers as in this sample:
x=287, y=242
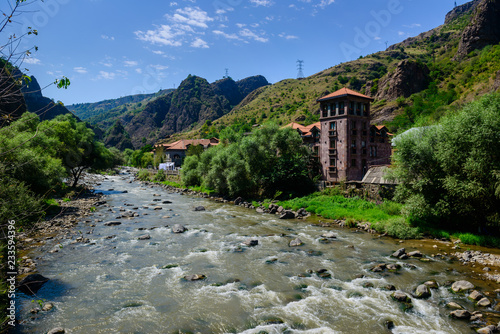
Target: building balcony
x=332, y=133
x=332, y=151
x=332, y=169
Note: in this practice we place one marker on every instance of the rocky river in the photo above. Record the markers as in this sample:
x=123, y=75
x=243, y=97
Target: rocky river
x=153, y=260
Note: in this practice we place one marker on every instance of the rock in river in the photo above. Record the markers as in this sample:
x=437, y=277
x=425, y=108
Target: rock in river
x=287, y=215
x=329, y=235
x=295, y=243
x=422, y=291
x=195, y=277
x=460, y=286
x=57, y=330
x=399, y=252
x=178, y=228
x=199, y=208
x=461, y=314
x=251, y=242
x=32, y=283
x=144, y=237
x=112, y=223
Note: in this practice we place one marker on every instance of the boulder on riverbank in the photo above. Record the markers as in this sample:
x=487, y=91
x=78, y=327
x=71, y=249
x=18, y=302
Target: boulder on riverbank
x=32, y=283
x=195, y=277
x=422, y=292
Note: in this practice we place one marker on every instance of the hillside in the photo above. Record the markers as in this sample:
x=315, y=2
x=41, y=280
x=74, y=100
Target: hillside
x=413, y=82
x=193, y=103
x=105, y=113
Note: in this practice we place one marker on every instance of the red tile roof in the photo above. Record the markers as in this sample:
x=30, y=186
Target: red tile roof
x=304, y=130
x=183, y=144
x=343, y=92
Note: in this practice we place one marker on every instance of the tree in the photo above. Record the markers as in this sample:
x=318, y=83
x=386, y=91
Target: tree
x=269, y=160
x=449, y=174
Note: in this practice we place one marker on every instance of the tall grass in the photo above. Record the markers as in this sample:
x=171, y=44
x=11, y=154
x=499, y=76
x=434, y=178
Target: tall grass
x=338, y=207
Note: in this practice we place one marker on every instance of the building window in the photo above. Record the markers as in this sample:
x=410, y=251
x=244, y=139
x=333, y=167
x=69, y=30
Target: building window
x=324, y=111
x=333, y=162
x=333, y=144
x=336, y=108
x=351, y=108
x=329, y=109
x=358, y=108
x=353, y=162
x=333, y=125
x=341, y=108
x=177, y=157
x=363, y=144
x=373, y=151
x=353, y=128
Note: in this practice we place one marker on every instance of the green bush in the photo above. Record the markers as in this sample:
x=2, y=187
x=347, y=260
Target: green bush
x=399, y=228
x=160, y=176
x=144, y=175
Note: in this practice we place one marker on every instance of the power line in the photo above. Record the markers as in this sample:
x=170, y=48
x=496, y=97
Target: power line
x=227, y=74
x=300, y=67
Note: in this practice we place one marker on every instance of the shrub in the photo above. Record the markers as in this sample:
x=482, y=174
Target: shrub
x=399, y=228
x=160, y=176
x=143, y=175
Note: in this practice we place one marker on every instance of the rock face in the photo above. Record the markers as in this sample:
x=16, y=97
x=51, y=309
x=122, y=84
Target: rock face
x=483, y=28
x=32, y=283
x=461, y=10
x=408, y=78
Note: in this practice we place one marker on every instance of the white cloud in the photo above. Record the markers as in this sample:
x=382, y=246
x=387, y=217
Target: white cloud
x=192, y=16
x=240, y=25
x=158, y=52
x=286, y=36
x=130, y=63
x=138, y=70
x=159, y=67
x=228, y=36
x=199, y=43
x=325, y=3
x=172, y=4
x=401, y=33
x=32, y=61
x=265, y=3
x=79, y=69
x=106, y=75
x=163, y=35
x=414, y=25
x=106, y=37
x=182, y=26
x=252, y=35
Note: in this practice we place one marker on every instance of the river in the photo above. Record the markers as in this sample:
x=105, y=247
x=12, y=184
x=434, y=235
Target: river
x=119, y=284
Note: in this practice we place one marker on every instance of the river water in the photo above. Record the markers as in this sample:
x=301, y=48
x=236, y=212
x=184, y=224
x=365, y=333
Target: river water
x=117, y=284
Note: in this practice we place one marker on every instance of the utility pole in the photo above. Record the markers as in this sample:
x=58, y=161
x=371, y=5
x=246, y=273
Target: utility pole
x=227, y=74
x=300, y=67
x=386, y=44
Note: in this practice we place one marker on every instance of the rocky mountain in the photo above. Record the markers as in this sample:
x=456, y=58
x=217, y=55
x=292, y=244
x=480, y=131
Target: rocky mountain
x=483, y=28
x=193, y=103
x=118, y=137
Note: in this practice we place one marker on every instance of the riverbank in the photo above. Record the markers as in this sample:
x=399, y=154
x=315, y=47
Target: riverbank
x=339, y=250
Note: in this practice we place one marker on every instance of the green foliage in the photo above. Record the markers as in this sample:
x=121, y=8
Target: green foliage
x=19, y=203
x=267, y=160
x=399, y=228
x=160, y=176
x=478, y=240
x=449, y=173
x=332, y=204
x=144, y=175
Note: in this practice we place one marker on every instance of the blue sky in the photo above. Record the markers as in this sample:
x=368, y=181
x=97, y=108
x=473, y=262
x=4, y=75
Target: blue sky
x=113, y=48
